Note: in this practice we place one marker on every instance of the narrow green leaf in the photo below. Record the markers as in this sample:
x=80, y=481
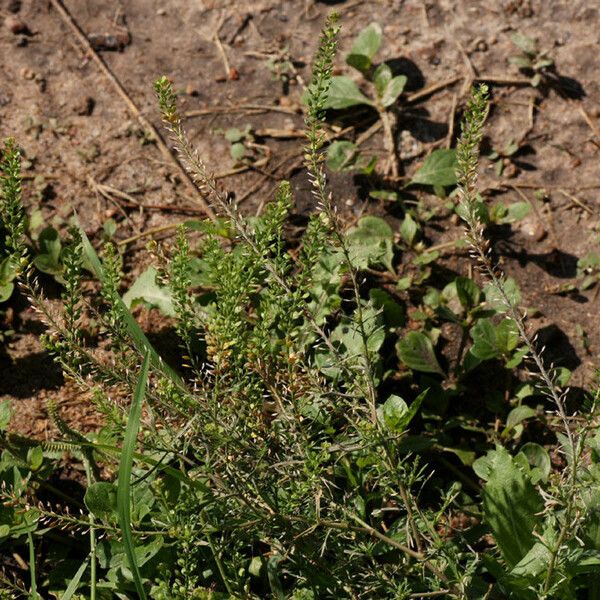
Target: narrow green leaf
x=124, y=478
x=138, y=337
x=74, y=583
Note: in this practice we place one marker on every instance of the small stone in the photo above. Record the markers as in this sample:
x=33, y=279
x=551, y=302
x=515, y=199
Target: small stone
x=161, y=12
x=27, y=74
x=84, y=107
x=510, y=169
x=108, y=41
x=16, y=25
x=191, y=90
x=233, y=74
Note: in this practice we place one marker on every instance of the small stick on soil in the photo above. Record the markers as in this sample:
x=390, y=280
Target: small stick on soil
x=589, y=121
x=503, y=80
x=282, y=134
x=211, y=110
x=149, y=232
x=363, y=137
x=220, y=48
x=468, y=81
x=76, y=29
x=411, y=98
x=111, y=193
x=577, y=201
x=544, y=186
x=451, y=120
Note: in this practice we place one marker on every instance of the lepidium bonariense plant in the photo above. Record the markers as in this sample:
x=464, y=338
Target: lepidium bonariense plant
x=267, y=463
x=547, y=536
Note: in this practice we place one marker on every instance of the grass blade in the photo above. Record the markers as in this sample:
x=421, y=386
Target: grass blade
x=34, y=595
x=124, y=480
x=135, y=331
x=72, y=588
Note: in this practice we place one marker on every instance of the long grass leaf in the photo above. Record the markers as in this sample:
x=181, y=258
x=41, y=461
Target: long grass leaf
x=124, y=480
x=72, y=587
x=142, y=343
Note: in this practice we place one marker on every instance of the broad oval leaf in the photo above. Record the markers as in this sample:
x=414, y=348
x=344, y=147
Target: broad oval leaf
x=365, y=47
x=393, y=90
x=538, y=458
x=371, y=243
x=397, y=414
x=101, y=499
x=438, y=169
x=511, y=506
x=146, y=290
x=382, y=76
x=341, y=155
x=344, y=93
x=416, y=351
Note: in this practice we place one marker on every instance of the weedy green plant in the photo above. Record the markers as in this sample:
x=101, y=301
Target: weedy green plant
x=286, y=454
x=532, y=61
x=385, y=88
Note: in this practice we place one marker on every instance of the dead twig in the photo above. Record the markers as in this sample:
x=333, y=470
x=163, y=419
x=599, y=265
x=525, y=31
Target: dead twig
x=521, y=81
x=221, y=50
x=416, y=96
x=211, y=110
x=451, y=121
x=576, y=201
x=122, y=92
x=589, y=121
x=148, y=232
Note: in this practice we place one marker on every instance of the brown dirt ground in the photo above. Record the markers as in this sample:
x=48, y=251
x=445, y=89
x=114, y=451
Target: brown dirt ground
x=75, y=130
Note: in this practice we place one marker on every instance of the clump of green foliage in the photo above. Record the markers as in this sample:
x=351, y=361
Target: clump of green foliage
x=294, y=450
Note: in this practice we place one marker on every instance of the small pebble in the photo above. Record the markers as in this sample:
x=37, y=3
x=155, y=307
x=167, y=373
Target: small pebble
x=233, y=74
x=108, y=41
x=84, y=107
x=27, y=74
x=191, y=90
x=16, y=25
